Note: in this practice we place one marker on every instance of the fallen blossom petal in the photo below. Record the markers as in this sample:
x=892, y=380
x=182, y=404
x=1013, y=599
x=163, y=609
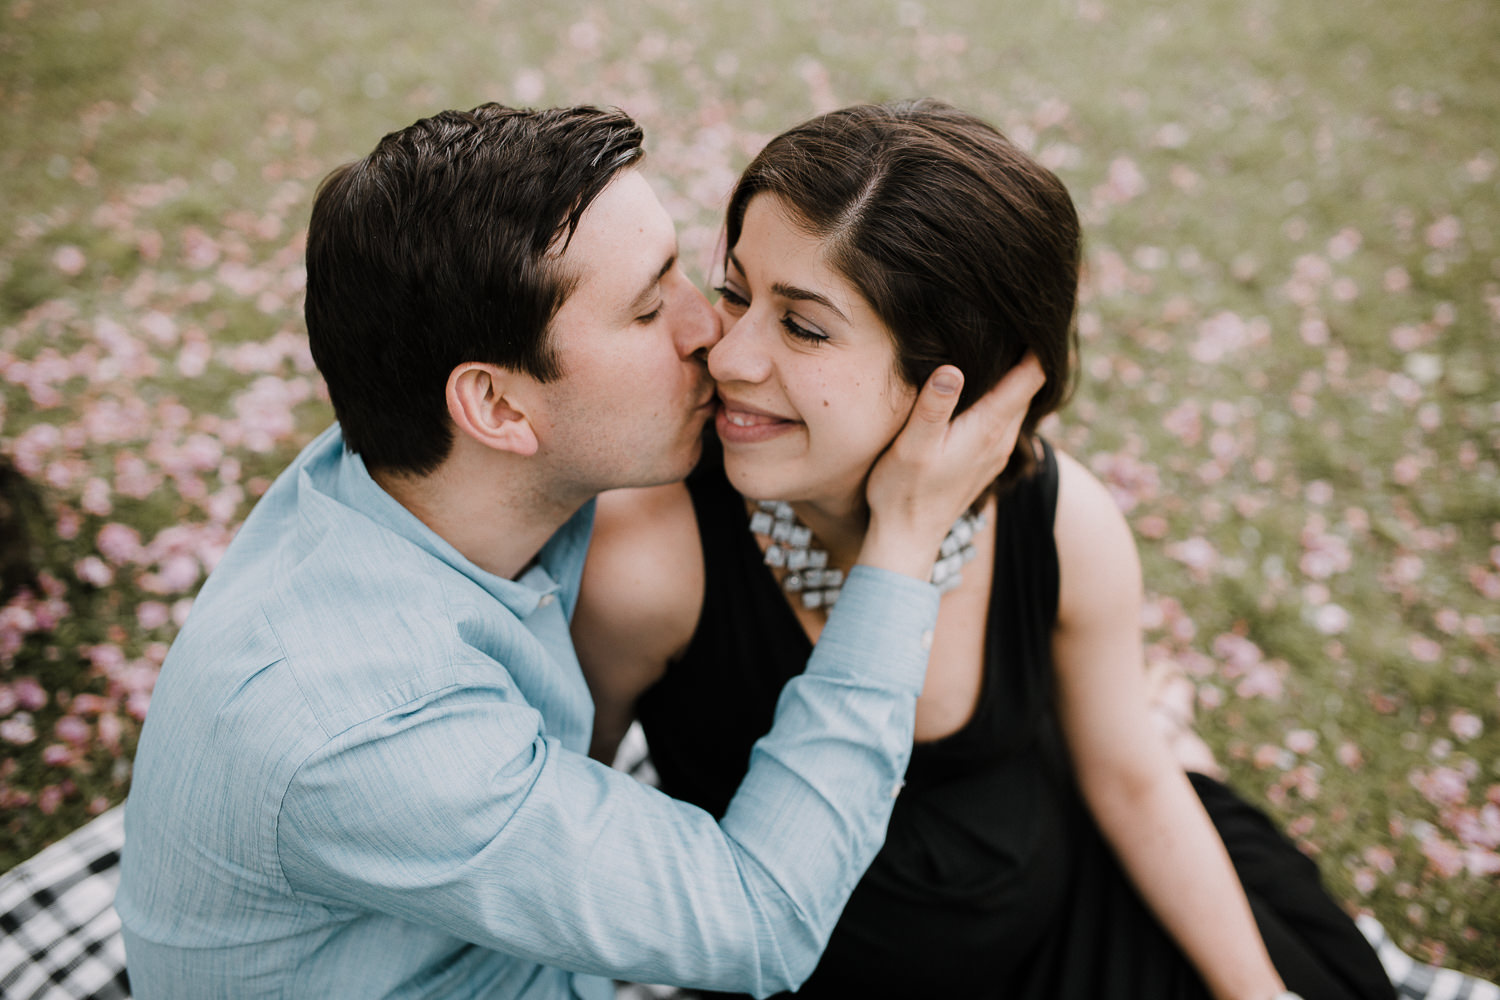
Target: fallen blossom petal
x=70, y=260
x=18, y=729
x=94, y=571
x=1465, y=724
x=1302, y=741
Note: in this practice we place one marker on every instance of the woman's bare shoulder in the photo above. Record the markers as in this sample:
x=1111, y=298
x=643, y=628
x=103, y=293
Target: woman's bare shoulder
x=643, y=582
x=1096, y=551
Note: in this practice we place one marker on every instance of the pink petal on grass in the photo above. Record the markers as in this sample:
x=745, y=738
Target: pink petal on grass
x=69, y=260
x=49, y=799
x=106, y=658
x=29, y=694
x=1444, y=856
x=110, y=731
x=96, y=498
x=1465, y=724
x=1442, y=786
x=151, y=615
x=1302, y=741
x=1331, y=619
x=18, y=729
x=1425, y=650
x=1197, y=554
x=119, y=543
x=1344, y=243
x=1443, y=233
x=72, y=730
x=57, y=755
x=1381, y=858
x=1185, y=422
x=1125, y=181
x=90, y=704
x=94, y=571
x=1263, y=680
x=1481, y=863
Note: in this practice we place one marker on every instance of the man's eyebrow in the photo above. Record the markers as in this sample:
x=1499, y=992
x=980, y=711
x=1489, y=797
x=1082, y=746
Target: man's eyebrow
x=793, y=292
x=643, y=297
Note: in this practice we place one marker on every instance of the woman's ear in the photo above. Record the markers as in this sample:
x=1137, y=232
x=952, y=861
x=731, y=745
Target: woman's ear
x=481, y=404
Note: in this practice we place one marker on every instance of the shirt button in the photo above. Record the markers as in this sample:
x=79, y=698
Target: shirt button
x=896, y=788
x=545, y=600
x=927, y=641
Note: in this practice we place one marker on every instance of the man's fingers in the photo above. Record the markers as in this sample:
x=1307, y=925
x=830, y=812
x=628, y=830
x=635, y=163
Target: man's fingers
x=934, y=468
x=1009, y=400
x=935, y=403
x=992, y=421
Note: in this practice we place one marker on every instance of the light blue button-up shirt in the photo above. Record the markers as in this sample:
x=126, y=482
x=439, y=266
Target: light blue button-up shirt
x=364, y=774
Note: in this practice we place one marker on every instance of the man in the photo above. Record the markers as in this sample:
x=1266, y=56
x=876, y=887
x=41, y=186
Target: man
x=364, y=773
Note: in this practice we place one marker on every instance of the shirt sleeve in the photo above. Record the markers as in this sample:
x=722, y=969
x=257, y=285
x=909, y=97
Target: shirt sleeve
x=460, y=812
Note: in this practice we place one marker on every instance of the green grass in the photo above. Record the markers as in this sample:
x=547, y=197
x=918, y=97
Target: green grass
x=1314, y=199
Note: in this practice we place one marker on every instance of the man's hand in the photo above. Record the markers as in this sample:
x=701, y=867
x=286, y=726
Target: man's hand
x=936, y=466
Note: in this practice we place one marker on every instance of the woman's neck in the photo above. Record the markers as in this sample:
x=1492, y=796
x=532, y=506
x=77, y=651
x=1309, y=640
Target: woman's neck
x=839, y=527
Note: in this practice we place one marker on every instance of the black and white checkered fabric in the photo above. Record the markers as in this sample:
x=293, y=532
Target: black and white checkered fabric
x=60, y=937
x=1415, y=981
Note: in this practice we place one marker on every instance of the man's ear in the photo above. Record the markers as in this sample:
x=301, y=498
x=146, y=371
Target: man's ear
x=482, y=404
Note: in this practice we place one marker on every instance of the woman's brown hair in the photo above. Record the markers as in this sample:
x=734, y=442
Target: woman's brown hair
x=966, y=248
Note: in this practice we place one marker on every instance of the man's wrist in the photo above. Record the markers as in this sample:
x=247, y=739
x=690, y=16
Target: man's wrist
x=885, y=613
x=897, y=551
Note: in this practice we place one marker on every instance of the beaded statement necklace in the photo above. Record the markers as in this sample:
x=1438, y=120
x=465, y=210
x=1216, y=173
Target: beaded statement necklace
x=790, y=546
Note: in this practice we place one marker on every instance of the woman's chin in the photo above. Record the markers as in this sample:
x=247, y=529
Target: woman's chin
x=796, y=477
x=747, y=483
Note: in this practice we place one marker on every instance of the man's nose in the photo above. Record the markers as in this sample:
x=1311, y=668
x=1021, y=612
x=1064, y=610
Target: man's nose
x=700, y=328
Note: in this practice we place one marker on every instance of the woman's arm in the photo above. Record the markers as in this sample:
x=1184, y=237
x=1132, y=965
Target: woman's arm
x=1139, y=796
x=639, y=601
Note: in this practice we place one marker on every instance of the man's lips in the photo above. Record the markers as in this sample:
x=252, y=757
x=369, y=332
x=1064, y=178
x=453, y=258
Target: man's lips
x=706, y=399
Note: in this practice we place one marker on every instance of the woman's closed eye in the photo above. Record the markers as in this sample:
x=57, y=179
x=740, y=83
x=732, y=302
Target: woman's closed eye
x=738, y=303
x=803, y=333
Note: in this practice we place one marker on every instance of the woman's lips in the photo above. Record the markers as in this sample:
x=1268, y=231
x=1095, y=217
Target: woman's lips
x=742, y=425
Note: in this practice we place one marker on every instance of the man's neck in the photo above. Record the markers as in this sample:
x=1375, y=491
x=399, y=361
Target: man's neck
x=485, y=506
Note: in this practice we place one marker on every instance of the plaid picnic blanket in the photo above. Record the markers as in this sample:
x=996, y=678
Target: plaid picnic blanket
x=1416, y=981
x=60, y=937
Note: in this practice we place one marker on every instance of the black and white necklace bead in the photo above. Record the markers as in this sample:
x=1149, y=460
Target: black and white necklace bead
x=790, y=546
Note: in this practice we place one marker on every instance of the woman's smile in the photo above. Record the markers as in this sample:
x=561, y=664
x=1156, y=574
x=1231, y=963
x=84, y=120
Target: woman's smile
x=738, y=423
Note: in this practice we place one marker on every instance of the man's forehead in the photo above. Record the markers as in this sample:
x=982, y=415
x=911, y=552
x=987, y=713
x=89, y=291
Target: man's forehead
x=624, y=209
x=622, y=241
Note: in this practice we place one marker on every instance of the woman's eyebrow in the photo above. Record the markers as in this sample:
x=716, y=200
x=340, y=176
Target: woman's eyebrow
x=805, y=295
x=793, y=292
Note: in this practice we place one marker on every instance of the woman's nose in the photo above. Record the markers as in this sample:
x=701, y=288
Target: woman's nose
x=736, y=357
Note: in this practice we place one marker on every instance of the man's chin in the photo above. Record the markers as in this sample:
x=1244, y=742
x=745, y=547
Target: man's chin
x=689, y=461
x=675, y=469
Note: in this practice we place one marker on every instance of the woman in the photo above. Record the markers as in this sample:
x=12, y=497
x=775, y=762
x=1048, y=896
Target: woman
x=1046, y=844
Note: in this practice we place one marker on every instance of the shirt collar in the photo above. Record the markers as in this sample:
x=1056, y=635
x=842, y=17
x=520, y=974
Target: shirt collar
x=338, y=472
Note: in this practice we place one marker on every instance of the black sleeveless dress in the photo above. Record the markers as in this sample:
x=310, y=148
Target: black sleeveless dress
x=994, y=880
